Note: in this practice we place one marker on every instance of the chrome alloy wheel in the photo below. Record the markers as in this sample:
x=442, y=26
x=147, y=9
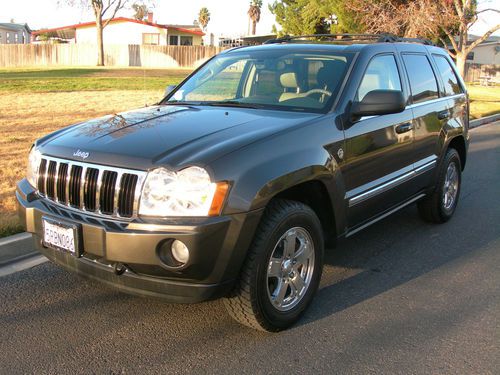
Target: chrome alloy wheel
x=290, y=269
x=450, y=187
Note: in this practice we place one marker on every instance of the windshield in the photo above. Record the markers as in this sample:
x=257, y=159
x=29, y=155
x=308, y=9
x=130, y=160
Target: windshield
x=267, y=79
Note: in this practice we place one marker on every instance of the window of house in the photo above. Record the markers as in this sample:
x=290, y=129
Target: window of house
x=450, y=80
x=151, y=39
x=173, y=40
x=16, y=38
x=7, y=40
x=423, y=83
x=186, y=40
x=381, y=74
x=470, y=56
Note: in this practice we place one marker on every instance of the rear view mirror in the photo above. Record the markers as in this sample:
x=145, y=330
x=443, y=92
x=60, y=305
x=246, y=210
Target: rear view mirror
x=169, y=89
x=379, y=102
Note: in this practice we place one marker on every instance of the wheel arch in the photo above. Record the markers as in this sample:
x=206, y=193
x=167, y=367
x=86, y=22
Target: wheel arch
x=458, y=143
x=314, y=194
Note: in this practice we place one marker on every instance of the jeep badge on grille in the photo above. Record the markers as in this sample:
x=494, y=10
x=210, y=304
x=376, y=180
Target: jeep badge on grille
x=81, y=154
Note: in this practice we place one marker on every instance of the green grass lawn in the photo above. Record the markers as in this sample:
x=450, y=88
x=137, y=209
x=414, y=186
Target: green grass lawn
x=484, y=101
x=88, y=79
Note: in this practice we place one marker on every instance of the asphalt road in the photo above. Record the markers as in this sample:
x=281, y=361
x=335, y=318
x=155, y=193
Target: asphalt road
x=402, y=296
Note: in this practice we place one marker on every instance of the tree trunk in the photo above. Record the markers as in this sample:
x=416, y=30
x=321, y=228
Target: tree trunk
x=460, y=63
x=100, y=43
x=254, y=27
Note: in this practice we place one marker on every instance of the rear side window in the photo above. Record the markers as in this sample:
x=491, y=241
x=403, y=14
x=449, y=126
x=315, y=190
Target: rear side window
x=381, y=74
x=422, y=80
x=450, y=80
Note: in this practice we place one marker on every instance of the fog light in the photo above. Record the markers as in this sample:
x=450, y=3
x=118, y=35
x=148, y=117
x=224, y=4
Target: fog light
x=180, y=252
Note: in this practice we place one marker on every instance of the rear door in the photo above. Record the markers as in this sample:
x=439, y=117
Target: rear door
x=379, y=149
x=430, y=112
x=454, y=89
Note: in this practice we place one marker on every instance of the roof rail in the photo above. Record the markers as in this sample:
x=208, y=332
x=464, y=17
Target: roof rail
x=350, y=38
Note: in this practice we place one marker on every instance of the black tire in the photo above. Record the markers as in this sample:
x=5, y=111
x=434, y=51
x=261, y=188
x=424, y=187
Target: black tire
x=250, y=302
x=433, y=208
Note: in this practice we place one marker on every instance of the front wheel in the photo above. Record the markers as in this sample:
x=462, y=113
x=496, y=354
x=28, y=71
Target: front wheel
x=282, y=270
x=441, y=204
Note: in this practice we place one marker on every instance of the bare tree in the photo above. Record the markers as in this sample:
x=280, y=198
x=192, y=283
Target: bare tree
x=446, y=20
x=465, y=15
x=104, y=11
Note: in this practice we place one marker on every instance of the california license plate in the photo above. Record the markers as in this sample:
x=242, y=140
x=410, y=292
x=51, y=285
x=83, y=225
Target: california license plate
x=60, y=236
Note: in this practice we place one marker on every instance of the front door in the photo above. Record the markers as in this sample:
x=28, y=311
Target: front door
x=378, y=150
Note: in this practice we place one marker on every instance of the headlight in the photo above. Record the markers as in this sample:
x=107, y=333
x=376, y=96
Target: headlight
x=185, y=193
x=34, y=160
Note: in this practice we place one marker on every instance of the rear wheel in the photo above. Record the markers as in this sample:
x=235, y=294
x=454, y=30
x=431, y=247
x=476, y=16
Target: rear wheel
x=282, y=270
x=441, y=204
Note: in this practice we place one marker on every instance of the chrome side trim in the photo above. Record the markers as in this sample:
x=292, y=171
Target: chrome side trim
x=425, y=168
x=380, y=189
x=383, y=216
x=422, y=166
x=432, y=101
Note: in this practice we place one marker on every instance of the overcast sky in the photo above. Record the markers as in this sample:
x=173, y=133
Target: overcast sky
x=228, y=17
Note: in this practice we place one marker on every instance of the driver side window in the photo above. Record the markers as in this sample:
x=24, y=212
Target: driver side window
x=381, y=74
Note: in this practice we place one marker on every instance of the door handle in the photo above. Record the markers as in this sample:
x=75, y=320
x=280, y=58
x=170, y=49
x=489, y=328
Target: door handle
x=403, y=128
x=443, y=115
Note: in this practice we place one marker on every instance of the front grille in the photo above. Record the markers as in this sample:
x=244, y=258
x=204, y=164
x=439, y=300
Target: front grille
x=106, y=191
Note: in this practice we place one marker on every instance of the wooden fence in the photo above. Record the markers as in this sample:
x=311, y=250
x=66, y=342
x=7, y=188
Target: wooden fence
x=18, y=55
x=480, y=73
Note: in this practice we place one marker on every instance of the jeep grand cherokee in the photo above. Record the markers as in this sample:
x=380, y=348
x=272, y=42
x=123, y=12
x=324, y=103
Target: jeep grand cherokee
x=232, y=185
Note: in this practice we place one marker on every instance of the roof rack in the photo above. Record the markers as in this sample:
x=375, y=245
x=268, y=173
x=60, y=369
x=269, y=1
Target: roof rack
x=350, y=39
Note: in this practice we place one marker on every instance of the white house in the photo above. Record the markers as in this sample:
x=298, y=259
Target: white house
x=14, y=33
x=122, y=30
x=487, y=53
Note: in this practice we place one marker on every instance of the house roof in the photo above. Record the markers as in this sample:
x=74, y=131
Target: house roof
x=121, y=19
x=15, y=26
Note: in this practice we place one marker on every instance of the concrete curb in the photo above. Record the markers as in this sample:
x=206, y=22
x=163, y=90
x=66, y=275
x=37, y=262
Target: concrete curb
x=22, y=264
x=16, y=246
x=483, y=121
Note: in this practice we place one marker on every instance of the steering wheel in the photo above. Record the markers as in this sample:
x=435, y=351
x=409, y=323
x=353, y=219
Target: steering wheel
x=318, y=91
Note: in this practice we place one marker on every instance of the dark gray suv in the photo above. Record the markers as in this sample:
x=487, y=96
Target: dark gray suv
x=234, y=183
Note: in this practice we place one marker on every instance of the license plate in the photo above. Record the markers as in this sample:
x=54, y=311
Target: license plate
x=60, y=236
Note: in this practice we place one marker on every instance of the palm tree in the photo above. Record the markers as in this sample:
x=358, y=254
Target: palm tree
x=254, y=13
x=204, y=17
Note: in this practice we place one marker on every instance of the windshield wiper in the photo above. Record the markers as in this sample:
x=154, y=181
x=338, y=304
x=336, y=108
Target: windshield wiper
x=232, y=103
x=179, y=102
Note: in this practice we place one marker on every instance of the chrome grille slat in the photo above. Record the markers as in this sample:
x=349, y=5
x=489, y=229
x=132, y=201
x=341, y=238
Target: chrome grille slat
x=50, y=180
x=117, y=193
x=68, y=175
x=42, y=172
x=61, y=183
x=82, y=186
x=96, y=189
x=90, y=189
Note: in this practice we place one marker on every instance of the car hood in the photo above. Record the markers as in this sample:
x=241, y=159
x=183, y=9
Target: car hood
x=171, y=136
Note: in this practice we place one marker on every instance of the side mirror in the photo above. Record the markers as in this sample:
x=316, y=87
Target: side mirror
x=169, y=89
x=379, y=102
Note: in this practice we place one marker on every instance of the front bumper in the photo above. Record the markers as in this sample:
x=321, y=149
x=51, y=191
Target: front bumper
x=217, y=246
